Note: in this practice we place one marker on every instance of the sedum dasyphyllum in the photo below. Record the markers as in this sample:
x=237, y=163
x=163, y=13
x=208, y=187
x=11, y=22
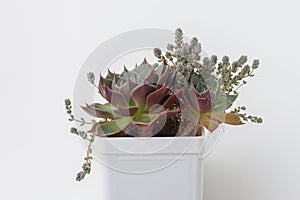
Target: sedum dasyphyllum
x=181, y=95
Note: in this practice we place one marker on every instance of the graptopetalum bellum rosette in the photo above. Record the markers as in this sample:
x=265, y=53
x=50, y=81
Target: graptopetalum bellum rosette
x=146, y=102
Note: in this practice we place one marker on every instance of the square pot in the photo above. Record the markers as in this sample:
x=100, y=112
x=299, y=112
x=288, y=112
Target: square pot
x=155, y=168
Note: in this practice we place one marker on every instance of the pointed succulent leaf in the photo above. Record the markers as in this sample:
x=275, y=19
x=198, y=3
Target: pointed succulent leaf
x=205, y=104
x=189, y=97
x=208, y=122
x=128, y=111
x=223, y=102
x=104, y=81
x=156, y=97
x=189, y=115
x=195, y=79
x=105, y=107
x=110, y=75
x=205, y=100
x=113, y=127
x=160, y=70
x=233, y=119
x=142, y=70
x=140, y=93
x=126, y=73
x=172, y=113
x=133, y=76
x=168, y=78
x=212, y=120
x=189, y=129
x=213, y=85
x=145, y=72
x=164, y=76
x=115, y=98
x=158, y=123
x=151, y=77
x=173, y=99
x=228, y=118
x=126, y=88
x=171, y=82
x=144, y=66
x=94, y=128
x=100, y=111
x=144, y=118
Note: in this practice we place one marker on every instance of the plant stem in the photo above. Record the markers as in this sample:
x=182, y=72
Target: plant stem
x=239, y=87
x=83, y=122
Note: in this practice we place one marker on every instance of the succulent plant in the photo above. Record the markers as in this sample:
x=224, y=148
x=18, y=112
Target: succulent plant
x=146, y=102
x=181, y=95
x=214, y=84
x=143, y=102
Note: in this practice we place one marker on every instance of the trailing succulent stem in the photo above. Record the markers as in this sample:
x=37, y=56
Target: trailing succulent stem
x=86, y=167
x=246, y=117
x=72, y=118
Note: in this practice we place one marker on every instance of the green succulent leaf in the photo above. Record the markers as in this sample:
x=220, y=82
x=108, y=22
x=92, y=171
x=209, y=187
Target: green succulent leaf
x=140, y=93
x=113, y=127
x=211, y=120
x=145, y=72
x=105, y=81
x=208, y=122
x=98, y=110
x=224, y=102
x=111, y=76
x=144, y=118
x=128, y=74
x=168, y=79
x=160, y=70
x=105, y=107
x=144, y=68
x=128, y=111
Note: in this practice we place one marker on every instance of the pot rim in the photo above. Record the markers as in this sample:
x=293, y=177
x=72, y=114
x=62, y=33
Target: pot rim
x=148, y=145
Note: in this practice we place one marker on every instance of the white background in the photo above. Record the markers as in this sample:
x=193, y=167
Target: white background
x=44, y=43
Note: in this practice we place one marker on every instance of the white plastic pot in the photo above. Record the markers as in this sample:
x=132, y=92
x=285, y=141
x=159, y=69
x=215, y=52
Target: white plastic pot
x=157, y=168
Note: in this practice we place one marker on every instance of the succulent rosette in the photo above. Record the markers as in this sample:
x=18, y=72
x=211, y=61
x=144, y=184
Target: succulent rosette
x=141, y=102
x=213, y=103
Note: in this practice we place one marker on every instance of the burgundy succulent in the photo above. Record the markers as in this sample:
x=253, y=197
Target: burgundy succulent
x=141, y=102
